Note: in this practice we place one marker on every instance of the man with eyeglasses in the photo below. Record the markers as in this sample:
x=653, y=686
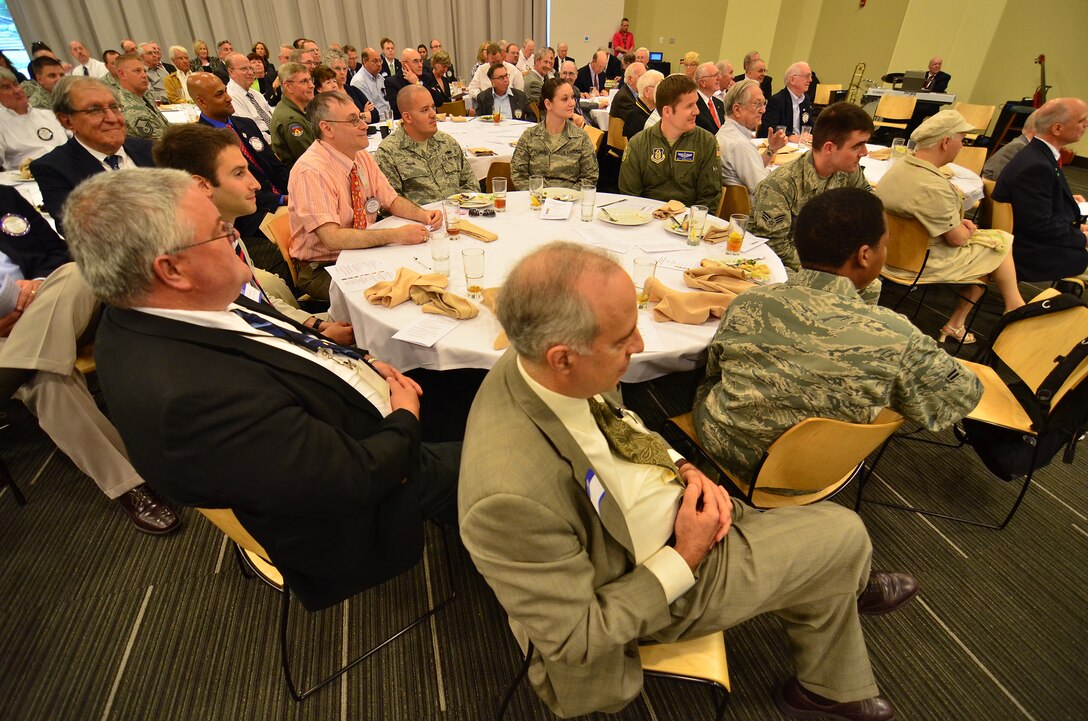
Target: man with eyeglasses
x=500, y=97
x=25, y=132
x=791, y=106
x=336, y=192
x=742, y=163
x=291, y=131
x=91, y=112
x=411, y=73
x=157, y=70
x=370, y=82
x=247, y=102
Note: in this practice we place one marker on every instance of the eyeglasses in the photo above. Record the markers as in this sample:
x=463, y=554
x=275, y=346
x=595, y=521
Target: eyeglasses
x=99, y=111
x=227, y=232
x=304, y=81
x=353, y=120
x=757, y=104
x=500, y=77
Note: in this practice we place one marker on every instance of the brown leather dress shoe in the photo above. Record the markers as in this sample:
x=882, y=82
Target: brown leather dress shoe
x=147, y=512
x=795, y=701
x=886, y=592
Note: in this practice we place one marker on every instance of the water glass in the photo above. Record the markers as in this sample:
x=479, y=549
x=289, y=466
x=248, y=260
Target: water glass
x=696, y=224
x=899, y=148
x=738, y=222
x=473, y=258
x=451, y=211
x=642, y=272
x=536, y=191
x=440, y=252
x=589, y=201
x=805, y=138
x=498, y=189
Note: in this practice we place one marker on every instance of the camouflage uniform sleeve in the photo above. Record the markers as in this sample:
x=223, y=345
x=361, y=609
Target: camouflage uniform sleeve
x=857, y=180
x=631, y=168
x=587, y=161
x=773, y=220
x=387, y=163
x=467, y=182
x=708, y=189
x=519, y=164
x=932, y=387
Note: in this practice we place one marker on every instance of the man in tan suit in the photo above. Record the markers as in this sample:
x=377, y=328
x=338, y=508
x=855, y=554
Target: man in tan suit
x=637, y=543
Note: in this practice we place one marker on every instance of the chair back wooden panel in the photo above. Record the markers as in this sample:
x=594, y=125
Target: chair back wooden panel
x=498, y=170
x=454, y=107
x=615, y=134
x=703, y=657
x=979, y=116
x=596, y=136
x=823, y=93
x=277, y=227
x=225, y=520
x=894, y=108
x=993, y=213
x=734, y=200
x=908, y=243
x=972, y=157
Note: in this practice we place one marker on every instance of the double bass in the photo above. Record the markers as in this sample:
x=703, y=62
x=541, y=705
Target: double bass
x=1039, y=97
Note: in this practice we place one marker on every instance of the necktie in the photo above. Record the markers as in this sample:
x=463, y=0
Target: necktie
x=85, y=71
x=358, y=205
x=714, y=113
x=114, y=161
x=628, y=443
x=314, y=343
x=265, y=118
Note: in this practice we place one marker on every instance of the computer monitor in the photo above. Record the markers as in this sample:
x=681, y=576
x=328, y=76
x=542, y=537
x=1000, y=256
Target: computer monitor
x=656, y=57
x=913, y=80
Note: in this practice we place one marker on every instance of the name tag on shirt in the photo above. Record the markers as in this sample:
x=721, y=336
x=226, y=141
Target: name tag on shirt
x=594, y=490
x=685, y=156
x=252, y=292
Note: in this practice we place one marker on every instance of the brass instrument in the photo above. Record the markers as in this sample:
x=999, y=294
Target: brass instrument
x=854, y=94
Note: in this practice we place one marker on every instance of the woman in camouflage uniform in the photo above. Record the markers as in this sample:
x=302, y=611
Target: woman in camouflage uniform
x=555, y=147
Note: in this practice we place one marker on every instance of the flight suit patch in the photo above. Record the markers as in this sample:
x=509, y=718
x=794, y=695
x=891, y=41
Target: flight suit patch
x=685, y=156
x=657, y=155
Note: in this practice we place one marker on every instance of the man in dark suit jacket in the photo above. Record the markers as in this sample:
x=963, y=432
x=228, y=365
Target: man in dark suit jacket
x=411, y=73
x=591, y=76
x=97, y=143
x=782, y=108
x=316, y=448
x=936, y=81
x=627, y=94
x=707, y=77
x=562, y=57
x=1049, y=235
x=500, y=83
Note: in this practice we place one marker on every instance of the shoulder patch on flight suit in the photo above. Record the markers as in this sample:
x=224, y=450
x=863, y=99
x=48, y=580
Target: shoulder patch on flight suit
x=657, y=155
x=684, y=156
x=295, y=129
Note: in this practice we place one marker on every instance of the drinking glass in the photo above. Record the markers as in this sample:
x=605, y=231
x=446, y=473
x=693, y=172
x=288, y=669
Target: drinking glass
x=642, y=272
x=899, y=148
x=451, y=210
x=498, y=188
x=440, y=252
x=589, y=201
x=473, y=258
x=536, y=191
x=696, y=224
x=737, y=224
x=805, y=138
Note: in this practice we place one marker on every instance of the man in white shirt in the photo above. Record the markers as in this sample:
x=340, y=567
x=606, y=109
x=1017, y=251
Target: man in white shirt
x=85, y=65
x=480, y=80
x=370, y=81
x=26, y=133
x=248, y=103
x=620, y=537
x=742, y=163
x=726, y=81
x=790, y=106
x=156, y=71
x=525, y=59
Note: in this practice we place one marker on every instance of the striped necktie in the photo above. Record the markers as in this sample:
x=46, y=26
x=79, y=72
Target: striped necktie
x=265, y=117
x=314, y=343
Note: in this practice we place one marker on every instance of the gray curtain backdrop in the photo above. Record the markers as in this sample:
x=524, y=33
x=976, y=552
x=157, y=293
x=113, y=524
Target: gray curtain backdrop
x=461, y=25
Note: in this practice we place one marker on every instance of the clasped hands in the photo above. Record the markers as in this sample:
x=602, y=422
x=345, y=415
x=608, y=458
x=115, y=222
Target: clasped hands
x=28, y=290
x=403, y=391
x=704, y=518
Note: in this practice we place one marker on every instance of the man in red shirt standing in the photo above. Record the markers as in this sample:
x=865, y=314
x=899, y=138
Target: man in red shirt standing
x=623, y=41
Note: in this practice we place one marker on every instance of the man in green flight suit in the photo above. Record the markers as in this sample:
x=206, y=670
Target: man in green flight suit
x=674, y=159
x=291, y=131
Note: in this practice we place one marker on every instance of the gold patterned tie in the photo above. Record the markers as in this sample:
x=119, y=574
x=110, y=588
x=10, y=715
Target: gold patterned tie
x=628, y=443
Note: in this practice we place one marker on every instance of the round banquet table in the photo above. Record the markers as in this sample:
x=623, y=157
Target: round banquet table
x=670, y=346
x=477, y=133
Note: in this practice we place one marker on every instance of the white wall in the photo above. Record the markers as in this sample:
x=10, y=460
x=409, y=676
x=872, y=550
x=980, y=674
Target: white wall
x=572, y=21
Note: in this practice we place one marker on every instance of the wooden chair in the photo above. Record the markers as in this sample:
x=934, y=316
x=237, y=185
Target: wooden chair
x=454, y=107
x=810, y=462
x=254, y=560
x=979, y=116
x=972, y=157
x=993, y=213
x=734, y=200
x=893, y=111
x=698, y=660
x=1029, y=349
x=498, y=170
x=823, y=94
x=596, y=136
x=536, y=110
x=277, y=226
x=616, y=139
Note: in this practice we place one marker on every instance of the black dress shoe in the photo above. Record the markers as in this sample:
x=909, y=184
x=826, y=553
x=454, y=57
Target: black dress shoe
x=147, y=512
x=795, y=701
x=886, y=592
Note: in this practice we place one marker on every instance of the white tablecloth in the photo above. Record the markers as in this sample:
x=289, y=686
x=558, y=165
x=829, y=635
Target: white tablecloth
x=598, y=109
x=27, y=188
x=670, y=346
x=477, y=133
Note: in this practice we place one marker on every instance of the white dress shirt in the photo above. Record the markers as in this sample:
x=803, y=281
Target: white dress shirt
x=524, y=64
x=28, y=136
x=646, y=494
x=480, y=82
x=247, y=107
x=95, y=69
x=126, y=162
x=373, y=87
x=183, y=77
x=741, y=163
x=798, y=121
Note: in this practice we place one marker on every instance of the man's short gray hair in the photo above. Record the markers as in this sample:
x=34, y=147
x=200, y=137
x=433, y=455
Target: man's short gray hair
x=1058, y=110
x=650, y=77
x=541, y=52
x=539, y=306
x=62, y=91
x=795, y=69
x=321, y=107
x=739, y=94
x=1029, y=122
x=704, y=70
x=115, y=229
x=292, y=68
x=178, y=50
x=296, y=56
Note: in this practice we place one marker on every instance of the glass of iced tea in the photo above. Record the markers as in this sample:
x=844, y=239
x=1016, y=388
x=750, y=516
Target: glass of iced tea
x=496, y=117
x=498, y=188
x=642, y=272
x=473, y=258
x=451, y=211
x=738, y=222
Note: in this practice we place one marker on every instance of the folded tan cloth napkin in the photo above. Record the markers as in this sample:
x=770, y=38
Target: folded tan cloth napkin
x=716, y=234
x=474, y=231
x=882, y=154
x=480, y=152
x=425, y=290
x=669, y=209
x=717, y=279
x=688, y=308
x=491, y=296
x=458, y=119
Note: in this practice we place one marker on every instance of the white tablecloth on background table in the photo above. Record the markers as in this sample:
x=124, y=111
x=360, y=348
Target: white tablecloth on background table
x=477, y=133
x=598, y=112
x=520, y=230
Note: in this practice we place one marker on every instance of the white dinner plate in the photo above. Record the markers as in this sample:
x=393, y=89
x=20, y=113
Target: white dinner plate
x=14, y=176
x=626, y=216
x=474, y=200
x=567, y=195
x=754, y=269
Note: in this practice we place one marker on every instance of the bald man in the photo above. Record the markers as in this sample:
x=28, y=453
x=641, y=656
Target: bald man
x=248, y=103
x=790, y=106
x=84, y=64
x=936, y=81
x=412, y=73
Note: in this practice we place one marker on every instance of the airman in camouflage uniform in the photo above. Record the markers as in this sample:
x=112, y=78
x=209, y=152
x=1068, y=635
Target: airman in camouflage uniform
x=291, y=132
x=688, y=170
x=567, y=164
x=782, y=194
x=37, y=96
x=425, y=171
x=142, y=118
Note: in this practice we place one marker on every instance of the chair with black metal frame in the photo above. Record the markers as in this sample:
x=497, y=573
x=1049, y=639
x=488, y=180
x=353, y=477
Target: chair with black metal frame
x=454, y=108
x=908, y=249
x=1030, y=350
x=697, y=660
x=253, y=561
x=812, y=461
x=893, y=113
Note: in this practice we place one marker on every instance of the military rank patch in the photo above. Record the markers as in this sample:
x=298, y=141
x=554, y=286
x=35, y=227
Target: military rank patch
x=657, y=155
x=685, y=156
x=295, y=129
